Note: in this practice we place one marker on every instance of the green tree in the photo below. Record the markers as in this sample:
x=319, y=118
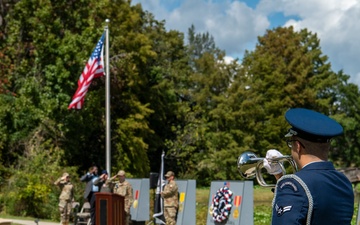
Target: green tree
x=202, y=136
x=31, y=190
x=238, y=108
x=44, y=53
x=144, y=58
x=48, y=45
x=345, y=151
x=286, y=70
x=146, y=103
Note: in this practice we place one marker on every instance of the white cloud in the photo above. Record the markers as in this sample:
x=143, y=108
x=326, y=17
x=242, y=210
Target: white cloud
x=335, y=23
x=235, y=26
x=232, y=24
x=228, y=59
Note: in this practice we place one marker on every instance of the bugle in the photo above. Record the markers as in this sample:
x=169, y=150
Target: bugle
x=250, y=166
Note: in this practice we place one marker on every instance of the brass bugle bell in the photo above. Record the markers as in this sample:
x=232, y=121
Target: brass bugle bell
x=250, y=166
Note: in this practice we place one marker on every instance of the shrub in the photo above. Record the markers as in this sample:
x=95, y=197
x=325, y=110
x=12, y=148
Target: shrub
x=30, y=190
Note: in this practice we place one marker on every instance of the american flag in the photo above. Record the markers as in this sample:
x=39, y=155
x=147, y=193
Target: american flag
x=94, y=68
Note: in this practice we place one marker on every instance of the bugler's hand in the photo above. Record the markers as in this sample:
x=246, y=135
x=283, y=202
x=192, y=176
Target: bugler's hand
x=271, y=167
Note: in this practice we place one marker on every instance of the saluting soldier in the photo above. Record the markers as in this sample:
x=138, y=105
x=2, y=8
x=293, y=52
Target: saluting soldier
x=105, y=185
x=171, y=199
x=90, y=190
x=66, y=197
x=123, y=187
x=317, y=193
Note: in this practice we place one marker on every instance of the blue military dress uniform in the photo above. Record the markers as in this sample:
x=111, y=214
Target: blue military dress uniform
x=317, y=194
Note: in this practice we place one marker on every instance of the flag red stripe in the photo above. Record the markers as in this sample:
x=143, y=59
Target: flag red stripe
x=93, y=69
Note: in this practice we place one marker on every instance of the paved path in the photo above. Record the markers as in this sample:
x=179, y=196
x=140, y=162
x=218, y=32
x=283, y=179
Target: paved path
x=32, y=222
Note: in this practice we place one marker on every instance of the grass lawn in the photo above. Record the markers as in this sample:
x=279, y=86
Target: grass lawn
x=262, y=206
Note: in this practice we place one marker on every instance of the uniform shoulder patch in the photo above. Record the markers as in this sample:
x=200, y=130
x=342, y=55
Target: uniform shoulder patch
x=288, y=184
x=280, y=210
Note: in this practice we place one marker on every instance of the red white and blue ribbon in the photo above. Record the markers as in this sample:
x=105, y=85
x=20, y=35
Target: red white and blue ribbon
x=222, y=204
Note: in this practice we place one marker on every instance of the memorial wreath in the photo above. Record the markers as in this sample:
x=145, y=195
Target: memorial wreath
x=221, y=204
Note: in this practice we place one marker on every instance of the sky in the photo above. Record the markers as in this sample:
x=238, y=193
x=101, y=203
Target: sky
x=236, y=24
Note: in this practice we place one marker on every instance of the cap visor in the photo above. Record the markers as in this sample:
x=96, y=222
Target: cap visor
x=289, y=134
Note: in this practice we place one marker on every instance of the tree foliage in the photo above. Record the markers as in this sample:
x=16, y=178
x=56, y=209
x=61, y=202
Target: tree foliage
x=286, y=70
x=166, y=95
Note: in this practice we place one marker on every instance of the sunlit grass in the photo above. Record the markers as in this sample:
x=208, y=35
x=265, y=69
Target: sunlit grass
x=262, y=206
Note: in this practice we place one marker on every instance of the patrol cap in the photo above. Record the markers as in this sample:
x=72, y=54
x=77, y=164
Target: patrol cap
x=169, y=174
x=121, y=173
x=65, y=175
x=311, y=125
x=104, y=172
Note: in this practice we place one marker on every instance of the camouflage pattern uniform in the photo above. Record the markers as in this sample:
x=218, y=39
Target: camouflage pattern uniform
x=105, y=184
x=124, y=189
x=66, y=197
x=171, y=200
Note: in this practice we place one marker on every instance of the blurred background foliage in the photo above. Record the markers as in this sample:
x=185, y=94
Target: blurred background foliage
x=168, y=93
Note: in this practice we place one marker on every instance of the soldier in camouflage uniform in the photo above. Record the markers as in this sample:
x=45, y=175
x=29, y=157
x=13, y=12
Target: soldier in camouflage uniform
x=124, y=188
x=105, y=185
x=66, y=197
x=171, y=201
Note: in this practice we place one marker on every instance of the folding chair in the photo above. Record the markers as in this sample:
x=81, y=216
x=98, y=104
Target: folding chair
x=83, y=217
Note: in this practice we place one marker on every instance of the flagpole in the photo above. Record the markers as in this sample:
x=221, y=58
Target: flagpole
x=107, y=75
x=159, y=201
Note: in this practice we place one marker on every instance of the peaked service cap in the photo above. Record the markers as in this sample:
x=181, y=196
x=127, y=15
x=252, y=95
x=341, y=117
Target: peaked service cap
x=311, y=125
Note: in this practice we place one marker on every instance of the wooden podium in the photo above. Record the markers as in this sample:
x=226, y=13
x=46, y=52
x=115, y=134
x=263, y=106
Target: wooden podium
x=109, y=209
